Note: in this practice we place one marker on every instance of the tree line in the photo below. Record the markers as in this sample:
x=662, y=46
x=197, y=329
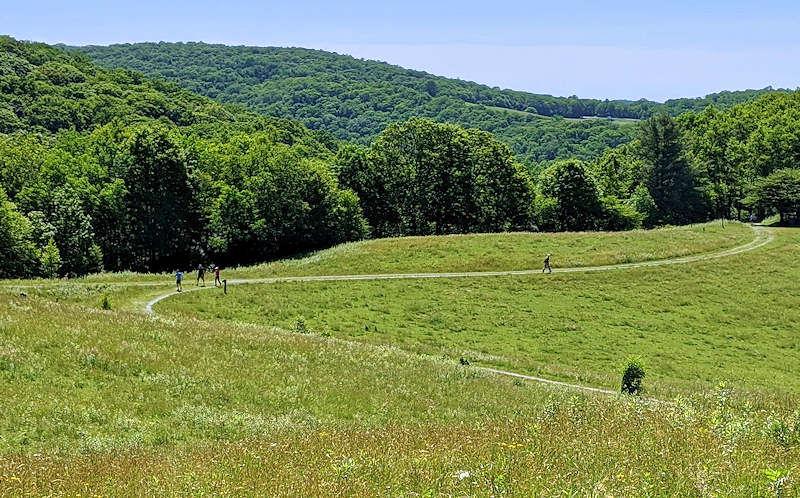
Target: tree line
x=156, y=188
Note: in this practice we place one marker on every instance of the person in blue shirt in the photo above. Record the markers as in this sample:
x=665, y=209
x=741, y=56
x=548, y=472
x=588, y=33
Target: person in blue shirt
x=179, y=279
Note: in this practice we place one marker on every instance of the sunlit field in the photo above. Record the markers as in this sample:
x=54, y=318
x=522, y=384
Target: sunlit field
x=224, y=394
x=732, y=319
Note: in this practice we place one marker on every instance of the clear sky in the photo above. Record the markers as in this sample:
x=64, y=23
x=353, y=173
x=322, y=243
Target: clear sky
x=601, y=49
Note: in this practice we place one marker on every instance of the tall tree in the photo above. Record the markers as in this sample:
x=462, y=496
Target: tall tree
x=423, y=178
x=574, y=190
x=779, y=192
x=160, y=200
x=17, y=251
x=666, y=172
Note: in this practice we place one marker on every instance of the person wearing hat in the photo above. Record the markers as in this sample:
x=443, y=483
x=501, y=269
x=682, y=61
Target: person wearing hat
x=217, y=281
x=547, y=264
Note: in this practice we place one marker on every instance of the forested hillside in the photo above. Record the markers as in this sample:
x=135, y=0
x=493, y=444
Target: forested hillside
x=133, y=176
x=356, y=99
x=107, y=169
x=44, y=89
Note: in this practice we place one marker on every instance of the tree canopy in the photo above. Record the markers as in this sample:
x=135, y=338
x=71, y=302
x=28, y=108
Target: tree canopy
x=108, y=169
x=779, y=192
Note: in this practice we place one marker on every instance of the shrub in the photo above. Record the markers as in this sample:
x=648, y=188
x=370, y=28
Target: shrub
x=299, y=326
x=632, y=374
x=106, y=304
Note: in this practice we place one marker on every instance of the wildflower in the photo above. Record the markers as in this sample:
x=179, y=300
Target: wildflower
x=323, y=434
x=461, y=475
x=14, y=478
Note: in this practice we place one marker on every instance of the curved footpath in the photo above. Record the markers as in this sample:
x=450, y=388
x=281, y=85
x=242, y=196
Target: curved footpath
x=763, y=236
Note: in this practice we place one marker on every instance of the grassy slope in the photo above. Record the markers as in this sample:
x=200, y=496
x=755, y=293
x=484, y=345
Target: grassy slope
x=512, y=251
x=477, y=252
x=111, y=402
x=731, y=319
x=114, y=403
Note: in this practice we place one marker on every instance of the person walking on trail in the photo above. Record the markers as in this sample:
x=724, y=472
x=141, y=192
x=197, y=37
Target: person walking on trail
x=201, y=274
x=547, y=264
x=179, y=280
x=217, y=281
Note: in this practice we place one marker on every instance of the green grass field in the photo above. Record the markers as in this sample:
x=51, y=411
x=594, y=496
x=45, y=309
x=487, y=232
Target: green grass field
x=455, y=253
x=627, y=121
x=510, y=251
x=473, y=252
x=732, y=319
x=216, y=395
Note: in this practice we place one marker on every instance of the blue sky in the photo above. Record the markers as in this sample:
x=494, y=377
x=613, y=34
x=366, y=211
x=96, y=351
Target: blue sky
x=621, y=49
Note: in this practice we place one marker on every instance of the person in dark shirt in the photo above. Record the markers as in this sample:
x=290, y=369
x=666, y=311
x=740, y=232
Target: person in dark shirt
x=201, y=275
x=547, y=264
x=178, y=280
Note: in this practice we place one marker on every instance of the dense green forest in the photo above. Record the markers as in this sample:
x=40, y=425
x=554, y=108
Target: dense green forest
x=356, y=99
x=107, y=169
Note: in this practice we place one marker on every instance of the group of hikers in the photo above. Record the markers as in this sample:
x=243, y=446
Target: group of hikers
x=201, y=276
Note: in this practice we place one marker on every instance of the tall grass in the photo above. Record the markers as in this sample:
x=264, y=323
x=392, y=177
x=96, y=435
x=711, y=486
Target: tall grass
x=109, y=402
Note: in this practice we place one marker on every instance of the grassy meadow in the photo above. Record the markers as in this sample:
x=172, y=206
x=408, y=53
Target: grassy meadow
x=452, y=253
x=732, y=319
x=507, y=251
x=217, y=396
x=113, y=403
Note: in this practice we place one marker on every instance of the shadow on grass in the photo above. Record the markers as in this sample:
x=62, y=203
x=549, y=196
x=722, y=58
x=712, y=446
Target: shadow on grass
x=778, y=224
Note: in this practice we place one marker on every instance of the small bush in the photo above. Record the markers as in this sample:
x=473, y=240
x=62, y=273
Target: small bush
x=106, y=304
x=632, y=375
x=299, y=326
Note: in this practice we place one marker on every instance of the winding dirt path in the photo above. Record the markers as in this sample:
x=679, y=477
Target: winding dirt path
x=763, y=236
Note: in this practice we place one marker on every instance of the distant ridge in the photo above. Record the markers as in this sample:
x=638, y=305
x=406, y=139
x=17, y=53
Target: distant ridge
x=355, y=99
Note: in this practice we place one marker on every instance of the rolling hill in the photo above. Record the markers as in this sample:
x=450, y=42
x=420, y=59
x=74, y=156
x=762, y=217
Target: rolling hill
x=355, y=99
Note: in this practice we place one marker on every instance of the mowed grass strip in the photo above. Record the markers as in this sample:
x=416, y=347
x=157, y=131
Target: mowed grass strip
x=731, y=319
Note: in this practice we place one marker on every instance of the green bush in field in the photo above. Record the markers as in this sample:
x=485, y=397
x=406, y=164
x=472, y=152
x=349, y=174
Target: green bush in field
x=299, y=326
x=632, y=374
x=105, y=304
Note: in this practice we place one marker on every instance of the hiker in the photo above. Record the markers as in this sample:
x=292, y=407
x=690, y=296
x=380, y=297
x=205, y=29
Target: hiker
x=547, y=264
x=201, y=274
x=179, y=279
x=217, y=281
x=752, y=217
